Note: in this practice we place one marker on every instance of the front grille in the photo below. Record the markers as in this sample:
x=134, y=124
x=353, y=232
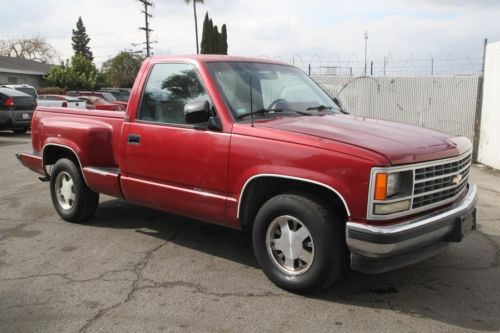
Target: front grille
x=440, y=181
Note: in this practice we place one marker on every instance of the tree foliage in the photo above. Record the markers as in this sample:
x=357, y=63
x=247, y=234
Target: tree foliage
x=183, y=85
x=223, y=39
x=121, y=70
x=80, y=40
x=78, y=74
x=213, y=41
x=28, y=48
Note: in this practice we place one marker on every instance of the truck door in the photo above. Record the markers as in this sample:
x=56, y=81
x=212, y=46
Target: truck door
x=169, y=164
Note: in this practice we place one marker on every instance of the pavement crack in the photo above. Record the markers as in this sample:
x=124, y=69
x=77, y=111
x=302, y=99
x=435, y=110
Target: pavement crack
x=137, y=269
x=35, y=276
x=197, y=288
x=65, y=276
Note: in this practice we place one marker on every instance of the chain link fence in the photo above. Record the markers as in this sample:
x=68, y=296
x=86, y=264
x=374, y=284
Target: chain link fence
x=444, y=103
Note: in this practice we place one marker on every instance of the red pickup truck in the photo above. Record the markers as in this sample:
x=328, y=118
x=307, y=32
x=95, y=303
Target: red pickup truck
x=256, y=145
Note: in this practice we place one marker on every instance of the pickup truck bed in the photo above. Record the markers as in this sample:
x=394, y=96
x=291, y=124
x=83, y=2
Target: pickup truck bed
x=98, y=137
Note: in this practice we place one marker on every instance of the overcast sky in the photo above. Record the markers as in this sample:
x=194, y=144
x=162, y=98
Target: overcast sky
x=314, y=29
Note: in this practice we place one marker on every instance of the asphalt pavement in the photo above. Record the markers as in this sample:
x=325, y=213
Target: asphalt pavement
x=133, y=269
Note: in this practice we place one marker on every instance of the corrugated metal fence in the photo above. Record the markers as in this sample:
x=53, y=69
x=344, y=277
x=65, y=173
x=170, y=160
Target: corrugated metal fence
x=444, y=103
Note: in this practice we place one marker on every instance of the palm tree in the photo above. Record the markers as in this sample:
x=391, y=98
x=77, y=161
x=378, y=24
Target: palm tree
x=195, y=20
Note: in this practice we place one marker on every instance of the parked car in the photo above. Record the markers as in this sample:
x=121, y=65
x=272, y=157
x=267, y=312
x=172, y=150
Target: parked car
x=121, y=94
x=61, y=101
x=25, y=88
x=256, y=145
x=106, y=95
x=122, y=106
x=98, y=103
x=16, y=110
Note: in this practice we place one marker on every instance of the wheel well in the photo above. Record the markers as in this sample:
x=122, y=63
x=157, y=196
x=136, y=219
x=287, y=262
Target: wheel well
x=261, y=189
x=52, y=154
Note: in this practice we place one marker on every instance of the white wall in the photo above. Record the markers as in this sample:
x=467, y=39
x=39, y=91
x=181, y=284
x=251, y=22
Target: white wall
x=489, y=144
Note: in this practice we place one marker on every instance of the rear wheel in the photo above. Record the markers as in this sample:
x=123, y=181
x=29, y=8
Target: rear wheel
x=73, y=200
x=299, y=243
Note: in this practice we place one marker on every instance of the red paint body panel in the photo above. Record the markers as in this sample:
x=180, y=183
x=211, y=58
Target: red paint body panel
x=399, y=143
x=103, y=182
x=32, y=162
x=185, y=169
x=110, y=107
x=202, y=173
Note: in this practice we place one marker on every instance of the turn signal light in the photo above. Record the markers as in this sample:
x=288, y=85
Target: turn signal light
x=381, y=186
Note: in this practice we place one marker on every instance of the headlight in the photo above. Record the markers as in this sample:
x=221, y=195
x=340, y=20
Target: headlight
x=393, y=207
x=387, y=185
x=393, y=184
x=391, y=192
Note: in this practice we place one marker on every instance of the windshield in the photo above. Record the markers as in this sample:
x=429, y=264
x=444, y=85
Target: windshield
x=109, y=97
x=26, y=90
x=274, y=88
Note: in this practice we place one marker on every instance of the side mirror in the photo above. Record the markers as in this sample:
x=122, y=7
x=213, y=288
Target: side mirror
x=339, y=104
x=197, y=112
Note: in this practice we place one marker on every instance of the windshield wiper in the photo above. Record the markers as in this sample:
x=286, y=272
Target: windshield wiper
x=259, y=111
x=264, y=111
x=319, y=108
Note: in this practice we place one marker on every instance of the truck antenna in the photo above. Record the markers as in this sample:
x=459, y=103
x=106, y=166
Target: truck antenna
x=251, y=99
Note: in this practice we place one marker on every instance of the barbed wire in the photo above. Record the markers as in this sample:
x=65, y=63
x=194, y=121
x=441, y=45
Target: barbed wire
x=334, y=64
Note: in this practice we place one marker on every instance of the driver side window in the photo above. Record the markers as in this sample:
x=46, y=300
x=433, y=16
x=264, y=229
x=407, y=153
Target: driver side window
x=168, y=89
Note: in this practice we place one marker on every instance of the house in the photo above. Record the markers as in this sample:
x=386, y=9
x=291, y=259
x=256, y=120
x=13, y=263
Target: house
x=18, y=71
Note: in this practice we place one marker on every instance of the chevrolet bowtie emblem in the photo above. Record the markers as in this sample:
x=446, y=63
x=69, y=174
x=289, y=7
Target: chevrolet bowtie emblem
x=456, y=180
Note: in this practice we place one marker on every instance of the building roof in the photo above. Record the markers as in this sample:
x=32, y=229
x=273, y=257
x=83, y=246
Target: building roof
x=23, y=66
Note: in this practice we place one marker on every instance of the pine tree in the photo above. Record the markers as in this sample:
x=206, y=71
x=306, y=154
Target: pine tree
x=213, y=41
x=211, y=45
x=80, y=40
x=223, y=42
x=216, y=39
x=205, y=37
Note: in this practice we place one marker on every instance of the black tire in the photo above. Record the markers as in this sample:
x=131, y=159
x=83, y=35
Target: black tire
x=85, y=201
x=326, y=229
x=20, y=130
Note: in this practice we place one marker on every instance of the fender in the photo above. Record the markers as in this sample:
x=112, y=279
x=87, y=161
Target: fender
x=242, y=192
x=49, y=144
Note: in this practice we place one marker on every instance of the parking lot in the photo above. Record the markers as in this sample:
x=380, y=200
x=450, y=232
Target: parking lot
x=137, y=269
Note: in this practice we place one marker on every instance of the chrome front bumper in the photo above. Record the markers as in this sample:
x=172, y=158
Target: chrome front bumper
x=381, y=248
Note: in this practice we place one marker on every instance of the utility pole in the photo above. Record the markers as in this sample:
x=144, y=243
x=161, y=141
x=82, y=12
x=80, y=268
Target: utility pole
x=366, y=48
x=146, y=28
x=196, y=27
x=479, y=106
x=432, y=65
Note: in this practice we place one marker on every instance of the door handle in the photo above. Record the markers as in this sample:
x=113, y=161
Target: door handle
x=134, y=139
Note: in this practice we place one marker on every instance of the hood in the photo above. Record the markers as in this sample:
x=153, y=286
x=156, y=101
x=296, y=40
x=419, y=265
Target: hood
x=399, y=143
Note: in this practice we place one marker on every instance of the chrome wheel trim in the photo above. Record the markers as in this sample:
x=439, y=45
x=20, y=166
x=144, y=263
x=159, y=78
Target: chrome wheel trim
x=290, y=245
x=65, y=190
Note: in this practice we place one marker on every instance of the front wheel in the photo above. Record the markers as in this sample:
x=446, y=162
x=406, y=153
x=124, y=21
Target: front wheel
x=73, y=200
x=299, y=243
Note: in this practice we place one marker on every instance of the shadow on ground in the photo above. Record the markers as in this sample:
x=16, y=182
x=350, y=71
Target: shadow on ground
x=465, y=296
